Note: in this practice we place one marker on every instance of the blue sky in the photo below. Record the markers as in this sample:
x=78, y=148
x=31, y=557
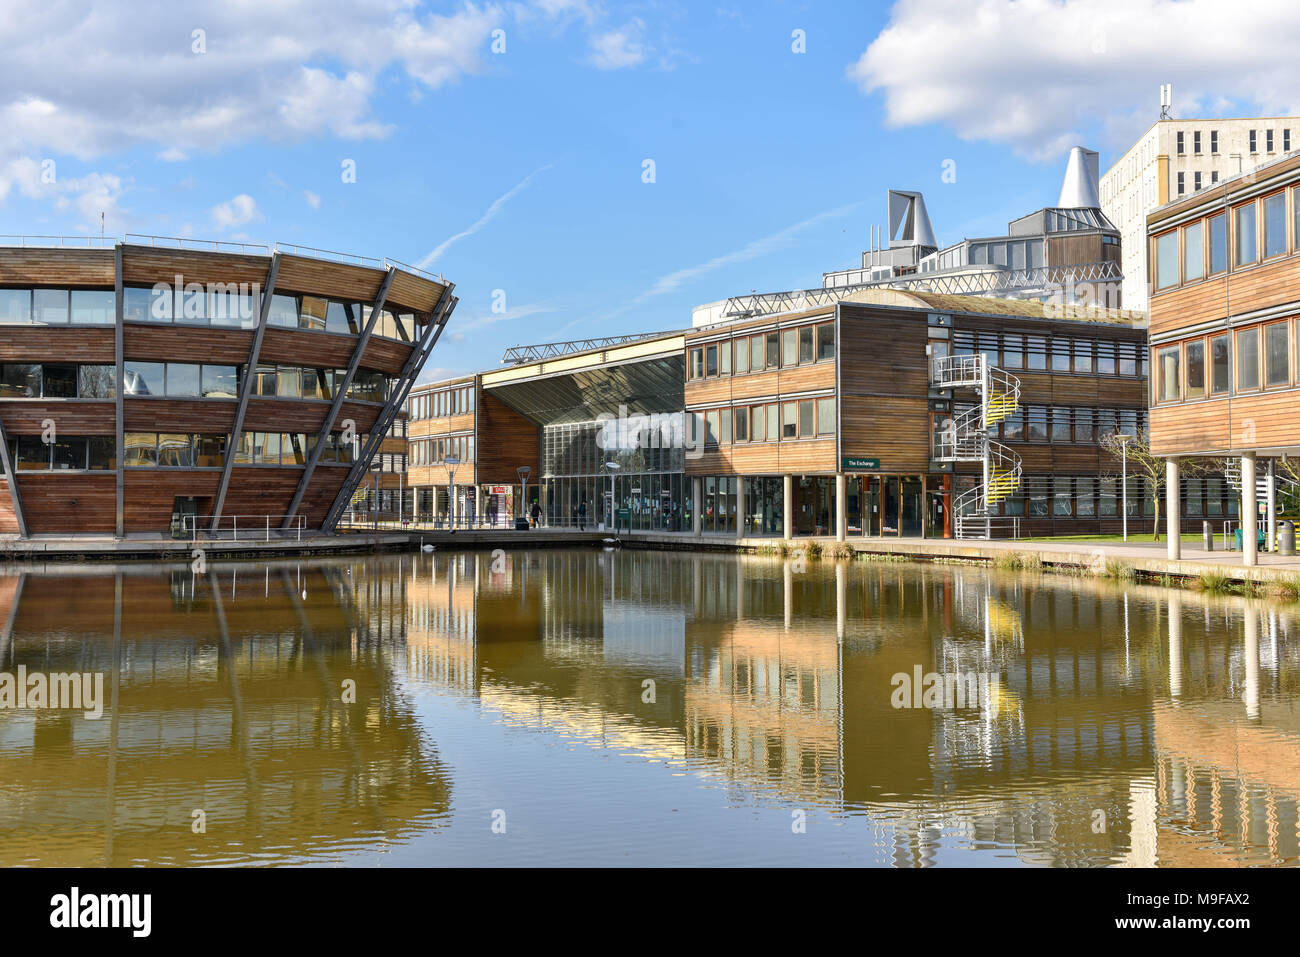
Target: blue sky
x=519, y=174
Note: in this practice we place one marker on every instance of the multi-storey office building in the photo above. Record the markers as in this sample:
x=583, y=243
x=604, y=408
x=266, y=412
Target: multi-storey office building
x=148, y=388
x=842, y=420
x=1173, y=159
x=1225, y=277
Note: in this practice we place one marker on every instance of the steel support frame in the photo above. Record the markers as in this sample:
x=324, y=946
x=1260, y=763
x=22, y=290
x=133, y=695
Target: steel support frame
x=245, y=391
x=119, y=421
x=437, y=323
x=340, y=395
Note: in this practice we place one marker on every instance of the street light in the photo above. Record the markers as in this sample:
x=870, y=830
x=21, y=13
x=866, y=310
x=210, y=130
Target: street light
x=522, y=472
x=1124, y=439
x=611, y=467
x=451, y=461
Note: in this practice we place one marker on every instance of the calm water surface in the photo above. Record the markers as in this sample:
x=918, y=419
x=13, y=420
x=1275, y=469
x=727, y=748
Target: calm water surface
x=643, y=708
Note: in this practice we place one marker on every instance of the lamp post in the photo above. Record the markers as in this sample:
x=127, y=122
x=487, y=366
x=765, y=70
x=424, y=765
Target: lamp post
x=611, y=467
x=451, y=462
x=1124, y=439
x=523, y=471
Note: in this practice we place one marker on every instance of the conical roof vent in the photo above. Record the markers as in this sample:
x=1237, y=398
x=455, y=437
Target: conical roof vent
x=1079, y=189
x=909, y=223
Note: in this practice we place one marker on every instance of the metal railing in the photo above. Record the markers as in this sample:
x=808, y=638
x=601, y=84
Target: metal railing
x=414, y=270
x=348, y=259
x=235, y=528
x=60, y=242
x=517, y=355
x=197, y=245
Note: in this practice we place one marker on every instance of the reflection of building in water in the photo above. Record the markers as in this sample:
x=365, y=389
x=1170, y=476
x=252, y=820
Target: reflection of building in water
x=440, y=621
x=225, y=696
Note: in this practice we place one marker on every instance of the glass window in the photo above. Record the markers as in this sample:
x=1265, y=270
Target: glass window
x=1083, y=356
x=1036, y=417
x=50, y=305
x=724, y=358
x=101, y=450
x=141, y=449
x=724, y=426
x=1060, y=355
x=68, y=454
x=789, y=420
x=826, y=416
x=1062, y=496
x=1013, y=426
x=742, y=424
x=741, y=349
x=15, y=305
x=1106, y=358
x=175, y=450
x=1167, y=260
x=288, y=383
x=1220, y=364
x=59, y=381
x=192, y=303
x=790, y=347
x=1274, y=225
x=1248, y=359
x=20, y=381
x=221, y=382
x=773, y=423
x=312, y=313
x=711, y=424
x=97, y=382
x=343, y=318
x=1061, y=422
x=1276, y=354
x=1245, y=234
x=1168, y=387
x=1084, y=504
x=209, y=451
x=227, y=306
x=1035, y=353
x=697, y=364
x=711, y=360
x=758, y=428
x=94, y=306
x=143, y=378
x=33, y=453
x=183, y=379
x=806, y=347
x=1108, y=499
x=756, y=353
x=283, y=311
x=1083, y=426
x=826, y=341
x=807, y=425
x=1195, y=355
x=1013, y=352
x=1193, y=252
x=773, y=351
x=1218, y=243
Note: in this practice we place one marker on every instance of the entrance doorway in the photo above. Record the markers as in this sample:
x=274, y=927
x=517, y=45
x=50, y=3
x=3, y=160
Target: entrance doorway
x=185, y=510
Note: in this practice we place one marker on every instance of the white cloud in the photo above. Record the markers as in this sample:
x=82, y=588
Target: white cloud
x=173, y=155
x=619, y=49
x=1041, y=75
x=313, y=199
x=236, y=211
x=482, y=221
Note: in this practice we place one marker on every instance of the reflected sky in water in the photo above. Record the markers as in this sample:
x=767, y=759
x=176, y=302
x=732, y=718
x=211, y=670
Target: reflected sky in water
x=644, y=708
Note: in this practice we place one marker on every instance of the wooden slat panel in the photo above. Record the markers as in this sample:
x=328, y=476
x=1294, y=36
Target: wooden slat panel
x=443, y=425
x=323, y=278
x=508, y=441
x=413, y=292
x=179, y=415
x=36, y=343
x=426, y=475
x=314, y=350
x=363, y=416
x=179, y=343
x=146, y=265
x=894, y=429
x=385, y=355
x=57, y=267
x=55, y=502
x=8, y=520
x=71, y=416
x=150, y=495
x=259, y=490
x=285, y=415
x=1258, y=421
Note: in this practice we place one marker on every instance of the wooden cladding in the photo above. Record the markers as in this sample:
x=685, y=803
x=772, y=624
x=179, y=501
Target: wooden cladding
x=413, y=292
x=281, y=415
x=34, y=343
x=70, y=416
x=173, y=343
x=510, y=440
x=57, y=267
x=316, y=350
x=81, y=501
x=322, y=277
x=178, y=415
x=146, y=265
x=385, y=355
x=1257, y=421
x=150, y=495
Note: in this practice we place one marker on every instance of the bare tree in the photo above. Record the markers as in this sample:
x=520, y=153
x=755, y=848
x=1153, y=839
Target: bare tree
x=1151, y=468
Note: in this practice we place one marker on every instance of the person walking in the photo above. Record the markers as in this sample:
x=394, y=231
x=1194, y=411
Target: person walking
x=582, y=516
x=536, y=513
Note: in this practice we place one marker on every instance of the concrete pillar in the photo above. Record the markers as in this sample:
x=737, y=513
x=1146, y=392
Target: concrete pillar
x=787, y=506
x=697, y=506
x=1249, y=549
x=1270, y=493
x=1175, y=611
x=1173, y=523
x=740, y=506
x=841, y=507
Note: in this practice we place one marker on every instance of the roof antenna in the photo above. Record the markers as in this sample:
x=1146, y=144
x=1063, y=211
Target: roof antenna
x=101, y=225
x=1166, y=100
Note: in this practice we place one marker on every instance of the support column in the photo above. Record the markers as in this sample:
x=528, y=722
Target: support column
x=841, y=507
x=697, y=506
x=740, y=506
x=1250, y=651
x=1173, y=524
x=1249, y=549
x=787, y=506
x=1270, y=493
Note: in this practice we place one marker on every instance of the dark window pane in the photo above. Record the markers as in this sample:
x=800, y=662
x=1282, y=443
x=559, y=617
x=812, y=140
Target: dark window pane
x=20, y=381
x=101, y=452
x=59, y=381
x=69, y=453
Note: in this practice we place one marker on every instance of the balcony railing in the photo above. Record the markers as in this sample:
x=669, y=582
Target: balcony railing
x=311, y=252
x=197, y=245
x=60, y=242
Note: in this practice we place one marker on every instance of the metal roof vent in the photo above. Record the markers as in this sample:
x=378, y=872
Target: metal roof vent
x=909, y=223
x=1079, y=189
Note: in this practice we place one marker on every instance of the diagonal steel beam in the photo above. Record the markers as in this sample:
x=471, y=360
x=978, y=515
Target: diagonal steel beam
x=437, y=323
x=119, y=421
x=245, y=390
x=340, y=394
x=7, y=460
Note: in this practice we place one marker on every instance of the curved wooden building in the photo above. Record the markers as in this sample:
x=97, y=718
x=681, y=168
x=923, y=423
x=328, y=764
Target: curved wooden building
x=150, y=387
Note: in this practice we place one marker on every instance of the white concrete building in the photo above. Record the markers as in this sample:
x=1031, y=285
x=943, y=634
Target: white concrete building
x=1177, y=157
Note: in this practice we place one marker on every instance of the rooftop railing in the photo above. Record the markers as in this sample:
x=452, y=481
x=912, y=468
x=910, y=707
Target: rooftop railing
x=517, y=355
x=414, y=270
x=347, y=259
x=197, y=245
x=60, y=242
